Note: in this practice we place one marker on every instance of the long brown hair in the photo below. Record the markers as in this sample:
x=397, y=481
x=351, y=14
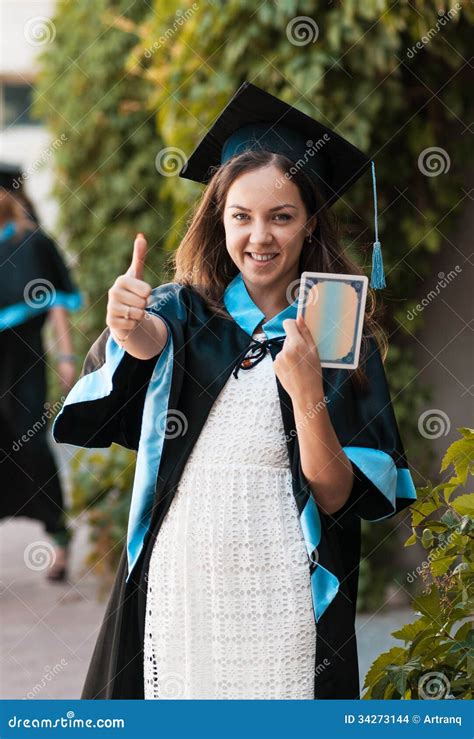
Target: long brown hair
x=11, y=209
x=203, y=263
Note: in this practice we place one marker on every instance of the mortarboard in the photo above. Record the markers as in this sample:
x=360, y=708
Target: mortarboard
x=254, y=119
x=11, y=179
x=8, y=174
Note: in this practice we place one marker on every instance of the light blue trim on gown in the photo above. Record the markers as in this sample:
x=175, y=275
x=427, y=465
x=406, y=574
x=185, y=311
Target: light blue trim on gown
x=380, y=469
x=13, y=315
x=248, y=315
x=324, y=584
x=99, y=384
x=149, y=452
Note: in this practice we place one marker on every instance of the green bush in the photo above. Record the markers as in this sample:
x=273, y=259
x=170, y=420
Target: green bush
x=437, y=658
x=106, y=182
x=101, y=495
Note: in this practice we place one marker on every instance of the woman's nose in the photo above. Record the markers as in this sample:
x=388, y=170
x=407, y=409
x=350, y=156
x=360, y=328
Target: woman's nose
x=260, y=233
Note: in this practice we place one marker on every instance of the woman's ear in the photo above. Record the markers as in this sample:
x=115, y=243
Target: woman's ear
x=311, y=225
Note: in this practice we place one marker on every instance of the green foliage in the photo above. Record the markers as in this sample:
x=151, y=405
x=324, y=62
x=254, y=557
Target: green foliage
x=101, y=494
x=106, y=181
x=437, y=659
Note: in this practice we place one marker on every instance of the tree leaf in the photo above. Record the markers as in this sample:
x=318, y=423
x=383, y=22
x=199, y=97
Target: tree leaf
x=411, y=540
x=461, y=456
x=464, y=504
x=428, y=604
x=410, y=631
x=395, y=656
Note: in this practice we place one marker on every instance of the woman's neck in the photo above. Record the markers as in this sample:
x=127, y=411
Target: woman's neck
x=269, y=303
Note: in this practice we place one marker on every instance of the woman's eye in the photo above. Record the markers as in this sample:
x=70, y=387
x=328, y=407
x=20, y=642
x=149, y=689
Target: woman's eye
x=284, y=216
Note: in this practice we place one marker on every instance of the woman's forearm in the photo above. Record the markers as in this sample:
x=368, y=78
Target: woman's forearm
x=324, y=463
x=147, y=339
x=62, y=337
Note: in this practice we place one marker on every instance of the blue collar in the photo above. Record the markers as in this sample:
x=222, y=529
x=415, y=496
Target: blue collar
x=8, y=230
x=248, y=315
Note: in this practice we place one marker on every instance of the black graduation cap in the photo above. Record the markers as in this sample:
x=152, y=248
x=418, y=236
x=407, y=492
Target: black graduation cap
x=254, y=119
x=8, y=174
x=11, y=179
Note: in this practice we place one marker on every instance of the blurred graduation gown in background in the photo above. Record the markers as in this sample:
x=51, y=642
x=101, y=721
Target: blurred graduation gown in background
x=33, y=279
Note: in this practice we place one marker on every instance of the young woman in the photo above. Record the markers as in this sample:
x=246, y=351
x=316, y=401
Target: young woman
x=35, y=286
x=254, y=464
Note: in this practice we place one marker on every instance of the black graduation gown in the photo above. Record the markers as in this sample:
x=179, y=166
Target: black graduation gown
x=124, y=400
x=33, y=278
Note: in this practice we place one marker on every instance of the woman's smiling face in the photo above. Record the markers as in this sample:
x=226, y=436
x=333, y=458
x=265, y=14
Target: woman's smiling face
x=264, y=214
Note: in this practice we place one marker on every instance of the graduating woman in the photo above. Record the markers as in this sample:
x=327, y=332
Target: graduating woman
x=254, y=464
x=35, y=284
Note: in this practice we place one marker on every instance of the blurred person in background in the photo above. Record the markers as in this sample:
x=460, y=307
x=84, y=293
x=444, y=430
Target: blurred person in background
x=35, y=287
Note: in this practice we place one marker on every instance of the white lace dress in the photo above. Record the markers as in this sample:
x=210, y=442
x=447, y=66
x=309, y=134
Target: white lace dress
x=229, y=606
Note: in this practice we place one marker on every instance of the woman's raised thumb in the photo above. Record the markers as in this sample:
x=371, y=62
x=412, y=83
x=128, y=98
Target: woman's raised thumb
x=137, y=266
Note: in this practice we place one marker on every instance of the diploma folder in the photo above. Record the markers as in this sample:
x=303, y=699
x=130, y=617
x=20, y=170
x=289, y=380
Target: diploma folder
x=333, y=307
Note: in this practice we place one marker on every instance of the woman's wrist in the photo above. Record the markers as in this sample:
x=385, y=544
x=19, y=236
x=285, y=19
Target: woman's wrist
x=145, y=340
x=65, y=357
x=305, y=402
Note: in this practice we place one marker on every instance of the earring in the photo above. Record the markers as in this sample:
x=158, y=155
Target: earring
x=310, y=239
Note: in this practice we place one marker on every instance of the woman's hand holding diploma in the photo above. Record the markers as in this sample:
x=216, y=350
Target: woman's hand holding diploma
x=323, y=461
x=297, y=365
x=141, y=334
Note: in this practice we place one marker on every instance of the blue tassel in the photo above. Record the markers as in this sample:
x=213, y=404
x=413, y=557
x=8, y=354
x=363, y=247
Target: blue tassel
x=377, y=280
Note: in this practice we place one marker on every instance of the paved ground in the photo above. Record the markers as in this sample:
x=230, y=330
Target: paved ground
x=48, y=631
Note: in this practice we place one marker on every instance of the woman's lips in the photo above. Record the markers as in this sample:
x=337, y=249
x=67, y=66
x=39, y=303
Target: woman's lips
x=260, y=262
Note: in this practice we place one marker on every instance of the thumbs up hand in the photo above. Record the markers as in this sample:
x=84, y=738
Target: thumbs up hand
x=137, y=266
x=128, y=295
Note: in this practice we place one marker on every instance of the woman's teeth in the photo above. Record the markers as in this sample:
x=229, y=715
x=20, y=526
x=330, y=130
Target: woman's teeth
x=262, y=257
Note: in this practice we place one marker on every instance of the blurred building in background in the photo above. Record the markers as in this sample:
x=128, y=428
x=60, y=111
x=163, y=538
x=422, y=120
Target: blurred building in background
x=26, y=27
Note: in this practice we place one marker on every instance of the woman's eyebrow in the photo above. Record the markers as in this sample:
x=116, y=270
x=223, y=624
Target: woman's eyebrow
x=277, y=207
